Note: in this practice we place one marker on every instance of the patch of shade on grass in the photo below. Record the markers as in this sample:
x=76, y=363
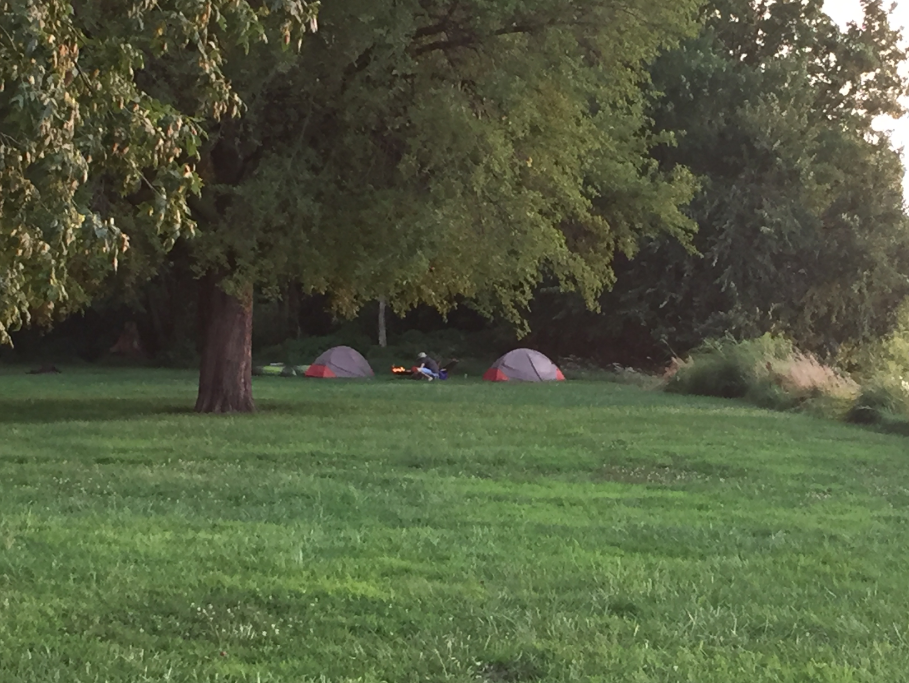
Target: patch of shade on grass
x=459, y=531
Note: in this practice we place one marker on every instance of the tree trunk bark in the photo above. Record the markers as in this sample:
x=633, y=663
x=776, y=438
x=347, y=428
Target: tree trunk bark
x=225, y=377
x=293, y=311
x=383, y=338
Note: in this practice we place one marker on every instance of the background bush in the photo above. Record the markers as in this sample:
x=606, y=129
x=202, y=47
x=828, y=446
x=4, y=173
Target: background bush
x=768, y=371
x=883, y=401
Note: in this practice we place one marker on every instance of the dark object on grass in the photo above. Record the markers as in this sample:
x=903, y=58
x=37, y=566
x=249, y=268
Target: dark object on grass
x=864, y=415
x=45, y=370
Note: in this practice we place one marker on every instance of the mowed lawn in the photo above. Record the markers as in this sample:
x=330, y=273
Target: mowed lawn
x=462, y=531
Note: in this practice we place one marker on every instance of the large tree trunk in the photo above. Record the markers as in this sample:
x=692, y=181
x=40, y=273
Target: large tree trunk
x=225, y=378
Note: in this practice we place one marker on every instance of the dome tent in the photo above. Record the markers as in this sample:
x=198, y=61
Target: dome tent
x=340, y=361
x=523, y=365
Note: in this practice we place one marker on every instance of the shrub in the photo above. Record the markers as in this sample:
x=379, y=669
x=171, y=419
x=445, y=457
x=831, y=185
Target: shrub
x=768, y=371
x=726, y=368
x=883, y=367
x=883, y=400
x=885, y=360
x=712, y=373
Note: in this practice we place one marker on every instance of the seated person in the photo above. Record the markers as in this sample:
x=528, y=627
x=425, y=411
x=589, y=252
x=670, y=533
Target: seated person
x=427, y=366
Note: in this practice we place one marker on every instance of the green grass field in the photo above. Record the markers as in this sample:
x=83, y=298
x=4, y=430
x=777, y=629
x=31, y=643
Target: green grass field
x=462, y=531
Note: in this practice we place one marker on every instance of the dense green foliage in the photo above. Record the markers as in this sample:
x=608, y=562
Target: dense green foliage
x=801, y=224
x=888, y=356
x=884, y=402
x=83, y=142
x=883, y=368
x=425, y=152
x=801, y=221
x=481, y=153
x=401, y=531
x=769, y=372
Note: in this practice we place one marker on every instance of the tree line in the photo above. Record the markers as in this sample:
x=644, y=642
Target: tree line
x=607, y=171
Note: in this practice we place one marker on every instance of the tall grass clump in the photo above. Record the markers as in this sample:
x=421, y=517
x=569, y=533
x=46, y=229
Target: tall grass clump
x=882, y=401
x=884, y=371
x=768, y=371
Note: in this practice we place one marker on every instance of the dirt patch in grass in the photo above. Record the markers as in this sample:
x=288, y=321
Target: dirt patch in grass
x=515, y=670
x=673, y=470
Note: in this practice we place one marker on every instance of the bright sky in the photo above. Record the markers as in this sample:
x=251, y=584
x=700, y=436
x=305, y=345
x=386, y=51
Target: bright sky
x=844, y=11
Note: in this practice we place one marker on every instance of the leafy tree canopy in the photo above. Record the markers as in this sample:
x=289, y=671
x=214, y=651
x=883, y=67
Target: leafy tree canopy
x=79, y=135
x=802, y=228
x=432, y=150
x=415, y=150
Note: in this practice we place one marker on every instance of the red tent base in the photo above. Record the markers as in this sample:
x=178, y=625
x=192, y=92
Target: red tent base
x=319, y=371
x=495, y=375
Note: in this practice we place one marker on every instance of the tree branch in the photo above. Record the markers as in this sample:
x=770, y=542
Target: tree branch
x=441, y=25
x=472, y=38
